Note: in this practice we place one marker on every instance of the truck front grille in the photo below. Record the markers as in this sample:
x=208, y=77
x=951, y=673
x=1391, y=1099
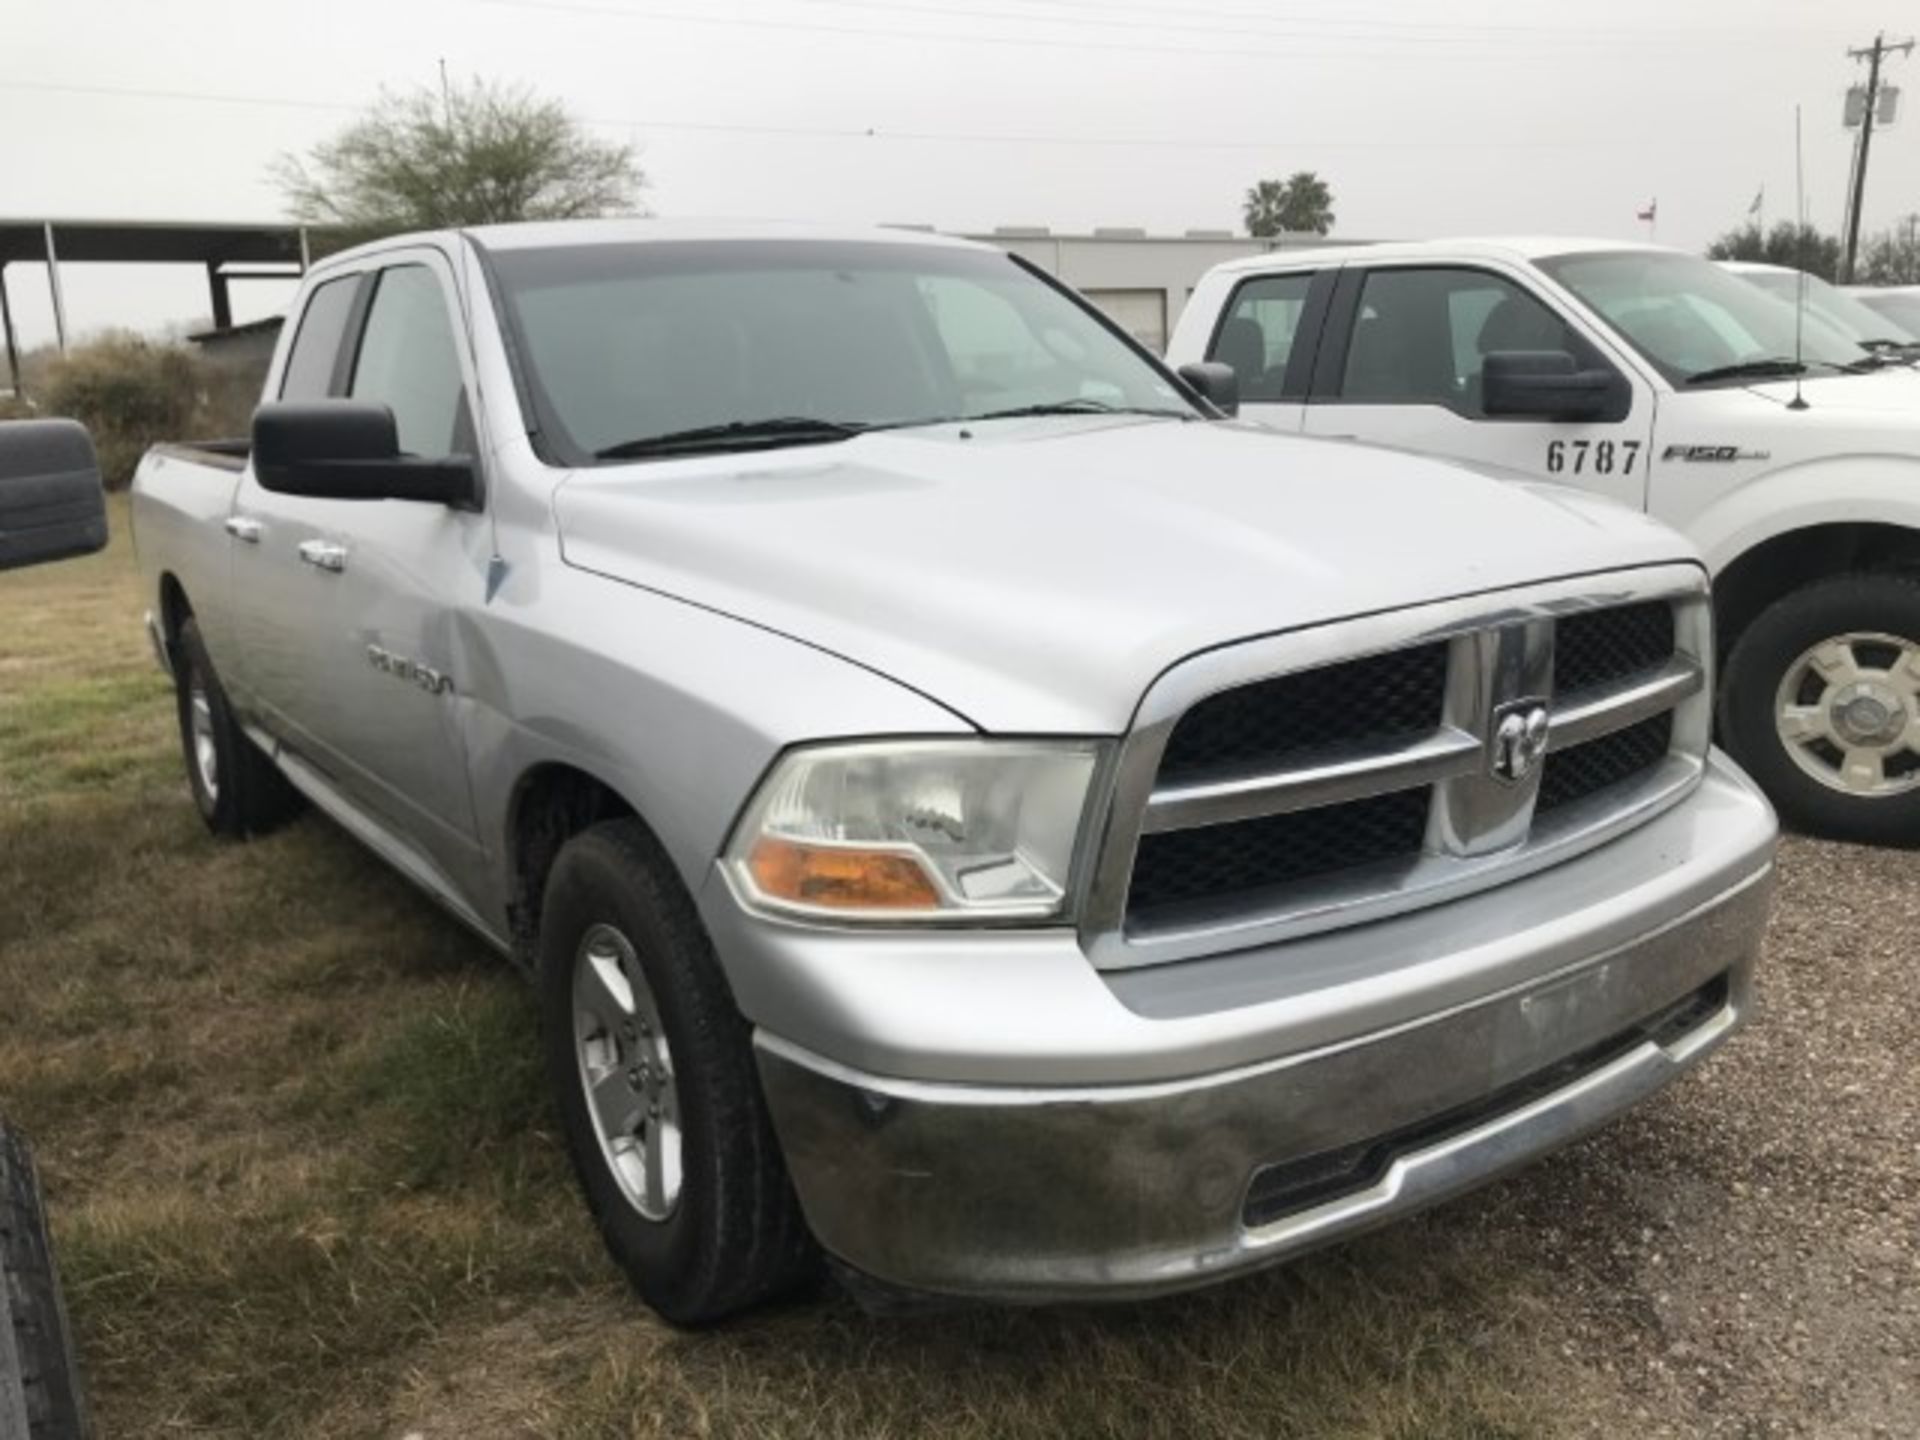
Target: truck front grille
x=1604, y=647
x=1235, y=863
x=1362, y=785
x=1273, y=721
x=1597, y=766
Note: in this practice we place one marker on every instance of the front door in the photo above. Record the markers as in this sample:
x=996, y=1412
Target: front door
x=399, y=664
x=1401, y=365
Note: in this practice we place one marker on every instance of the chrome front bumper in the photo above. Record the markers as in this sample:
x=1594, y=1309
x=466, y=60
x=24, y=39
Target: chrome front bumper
x=1035, y=1192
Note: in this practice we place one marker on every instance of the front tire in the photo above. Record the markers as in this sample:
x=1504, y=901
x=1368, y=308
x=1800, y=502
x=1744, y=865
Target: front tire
x=236, y=788
x=1821, y=704
x=659, y=1095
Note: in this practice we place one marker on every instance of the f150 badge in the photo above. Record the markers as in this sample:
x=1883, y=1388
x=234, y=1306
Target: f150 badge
x=401, y=668
x=1712, y=453
x=1518, y=739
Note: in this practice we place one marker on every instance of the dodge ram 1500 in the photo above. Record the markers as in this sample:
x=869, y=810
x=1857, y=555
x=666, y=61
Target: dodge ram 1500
x=969, y=808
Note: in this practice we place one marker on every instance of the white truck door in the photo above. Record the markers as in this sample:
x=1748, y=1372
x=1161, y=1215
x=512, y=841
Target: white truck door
x=1400, y=364
x=1265, y=332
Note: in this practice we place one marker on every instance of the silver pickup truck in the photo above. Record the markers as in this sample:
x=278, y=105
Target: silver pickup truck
x=968, y=807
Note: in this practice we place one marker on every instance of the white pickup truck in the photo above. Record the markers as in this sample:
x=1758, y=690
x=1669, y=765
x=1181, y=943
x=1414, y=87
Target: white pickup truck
x=963, y=800
x=1661, y=381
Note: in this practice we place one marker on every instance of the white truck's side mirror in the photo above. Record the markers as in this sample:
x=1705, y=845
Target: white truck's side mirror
x=52, y=505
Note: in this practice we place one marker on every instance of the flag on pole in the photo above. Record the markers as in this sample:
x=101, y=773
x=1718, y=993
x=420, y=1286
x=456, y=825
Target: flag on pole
x=1759, y=198
x=1648, y=214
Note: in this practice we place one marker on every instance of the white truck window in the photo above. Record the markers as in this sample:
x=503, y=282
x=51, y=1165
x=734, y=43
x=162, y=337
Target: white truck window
x=1687, y=316
x=316, y=346
x=1256, y=338
x=1421, y=336
x=408, y=360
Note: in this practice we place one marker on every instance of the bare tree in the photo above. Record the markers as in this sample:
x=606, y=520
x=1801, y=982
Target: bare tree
x=477, y=154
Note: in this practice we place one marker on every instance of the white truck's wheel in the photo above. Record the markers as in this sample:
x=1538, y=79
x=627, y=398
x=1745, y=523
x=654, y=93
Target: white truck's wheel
x=40, y=1397
x=1821, y=702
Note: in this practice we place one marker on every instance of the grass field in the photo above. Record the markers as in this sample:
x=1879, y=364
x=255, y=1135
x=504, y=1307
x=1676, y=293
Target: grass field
x=305, y=1181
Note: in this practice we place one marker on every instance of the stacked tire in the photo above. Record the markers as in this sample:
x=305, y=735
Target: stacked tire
x=39, y=1383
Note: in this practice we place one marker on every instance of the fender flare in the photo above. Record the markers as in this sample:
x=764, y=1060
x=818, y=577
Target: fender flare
x=1867, y=489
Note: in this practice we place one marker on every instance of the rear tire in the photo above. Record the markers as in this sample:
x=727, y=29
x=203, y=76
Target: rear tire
x=236, y=788
x=658, y=1090
x=38, y=1375
x=1821, y=704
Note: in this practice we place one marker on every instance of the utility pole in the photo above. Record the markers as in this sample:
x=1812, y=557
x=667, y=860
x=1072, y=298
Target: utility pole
x=1872, y=54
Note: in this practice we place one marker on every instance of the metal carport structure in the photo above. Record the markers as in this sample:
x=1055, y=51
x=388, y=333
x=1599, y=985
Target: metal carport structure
x=228, y=252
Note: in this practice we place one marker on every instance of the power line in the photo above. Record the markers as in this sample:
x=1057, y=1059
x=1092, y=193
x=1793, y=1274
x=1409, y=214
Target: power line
x=1358, y=48
x=884, y=133
x=1278, y=27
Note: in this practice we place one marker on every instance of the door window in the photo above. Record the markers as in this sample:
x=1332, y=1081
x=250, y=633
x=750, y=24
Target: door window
x=316, y=345
x=1420, y=337
x=1257, y=336
x=408, y=360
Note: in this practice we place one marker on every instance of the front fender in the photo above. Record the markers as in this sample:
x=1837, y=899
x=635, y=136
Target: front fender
x=1851, y=490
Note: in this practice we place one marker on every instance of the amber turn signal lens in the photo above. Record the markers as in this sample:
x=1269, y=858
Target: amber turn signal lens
x=839, y=879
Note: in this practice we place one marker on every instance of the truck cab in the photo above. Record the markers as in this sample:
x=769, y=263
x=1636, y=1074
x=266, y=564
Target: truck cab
x=1785, y=450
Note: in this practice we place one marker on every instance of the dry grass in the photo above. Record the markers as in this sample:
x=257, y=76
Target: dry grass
x=305, y=1182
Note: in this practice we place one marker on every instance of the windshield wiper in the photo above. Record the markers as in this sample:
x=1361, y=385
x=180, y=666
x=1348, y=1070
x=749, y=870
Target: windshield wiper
x=1079, y=405
x=1770, y=368
x=734, y=435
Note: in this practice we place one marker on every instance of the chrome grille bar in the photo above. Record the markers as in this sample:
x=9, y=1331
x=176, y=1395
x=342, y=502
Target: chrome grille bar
x=1331, y=781
x=1602, y=711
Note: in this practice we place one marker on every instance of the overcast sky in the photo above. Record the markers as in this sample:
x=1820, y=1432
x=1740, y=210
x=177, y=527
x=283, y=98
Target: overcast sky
x=1428, y=117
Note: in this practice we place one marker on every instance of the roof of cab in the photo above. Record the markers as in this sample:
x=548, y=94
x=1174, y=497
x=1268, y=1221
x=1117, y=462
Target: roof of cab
x=1472, y=247
x=544, y=234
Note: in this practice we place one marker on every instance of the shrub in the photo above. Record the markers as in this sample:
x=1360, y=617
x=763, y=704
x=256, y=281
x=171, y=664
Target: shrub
x=129, y=392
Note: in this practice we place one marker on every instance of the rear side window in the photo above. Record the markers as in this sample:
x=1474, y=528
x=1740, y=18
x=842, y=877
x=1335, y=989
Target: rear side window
x=408, y=360
x=316, y=345
x=1257, y=336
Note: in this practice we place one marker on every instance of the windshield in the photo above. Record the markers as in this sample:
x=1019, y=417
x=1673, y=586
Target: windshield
x=1901, y=309
x=1687, y=316
x=1832, y=305
x=622, y=343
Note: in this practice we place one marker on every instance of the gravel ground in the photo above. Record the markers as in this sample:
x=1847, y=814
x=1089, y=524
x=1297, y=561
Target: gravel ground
x=1742, y=1257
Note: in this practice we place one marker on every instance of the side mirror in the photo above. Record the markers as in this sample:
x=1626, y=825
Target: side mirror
x=1549, y=385
x=1217, y=384
x=52, y=505
x=350, y=450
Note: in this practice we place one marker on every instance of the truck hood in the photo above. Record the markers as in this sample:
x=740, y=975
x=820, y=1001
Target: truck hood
x=1036, y=576
x=1891, y=396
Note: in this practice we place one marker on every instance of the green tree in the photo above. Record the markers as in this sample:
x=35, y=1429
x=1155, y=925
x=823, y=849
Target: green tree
x=1301, y=204
x=1800, y=246
x=1893, y=256
x=479, y=154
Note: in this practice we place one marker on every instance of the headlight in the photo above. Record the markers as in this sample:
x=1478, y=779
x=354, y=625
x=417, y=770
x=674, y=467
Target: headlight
x=940, y=831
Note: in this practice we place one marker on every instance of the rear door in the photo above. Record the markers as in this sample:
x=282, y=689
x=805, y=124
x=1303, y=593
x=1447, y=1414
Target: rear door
x=1400, y=364
x=1266, y=332
x=283, y=609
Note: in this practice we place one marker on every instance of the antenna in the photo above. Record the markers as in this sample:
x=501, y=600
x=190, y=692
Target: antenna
x=1799, y=401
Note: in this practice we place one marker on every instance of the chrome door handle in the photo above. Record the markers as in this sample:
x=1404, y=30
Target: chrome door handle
x=245, y=527
x=324, y=555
